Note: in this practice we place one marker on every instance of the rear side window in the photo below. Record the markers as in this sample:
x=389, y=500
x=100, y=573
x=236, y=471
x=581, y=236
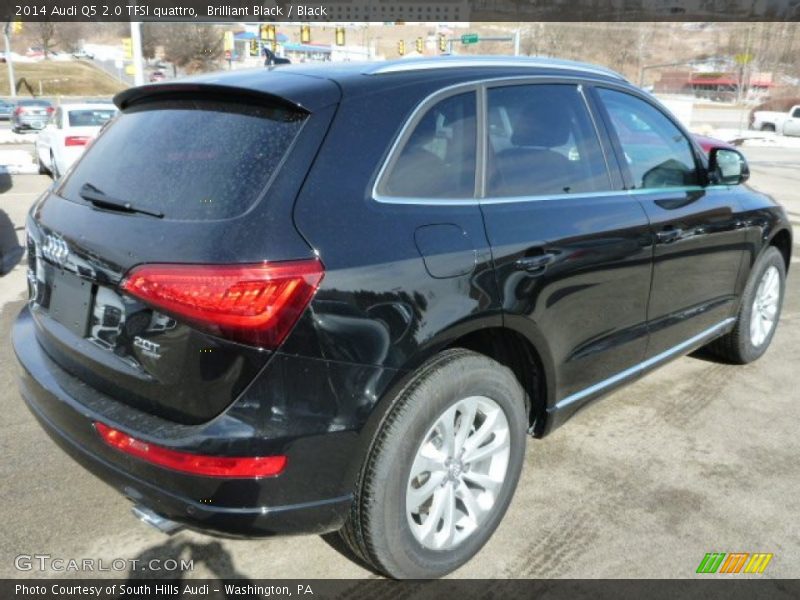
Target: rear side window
x=542, y=142
x=89, y=117
x=438, y=157
x=188, y=159
x=658, y=155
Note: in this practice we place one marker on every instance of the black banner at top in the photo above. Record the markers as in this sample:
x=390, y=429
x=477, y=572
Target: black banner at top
x=348, y=11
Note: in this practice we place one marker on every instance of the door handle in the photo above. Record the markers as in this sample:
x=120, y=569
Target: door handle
x=534, y=264
x=666, y=236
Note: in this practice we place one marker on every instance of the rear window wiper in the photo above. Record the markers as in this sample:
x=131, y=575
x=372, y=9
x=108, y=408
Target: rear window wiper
x=100, y=199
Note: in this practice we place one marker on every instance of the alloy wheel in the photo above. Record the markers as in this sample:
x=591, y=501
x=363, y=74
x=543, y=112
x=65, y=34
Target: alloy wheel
x=765, y=306
x=458, y=473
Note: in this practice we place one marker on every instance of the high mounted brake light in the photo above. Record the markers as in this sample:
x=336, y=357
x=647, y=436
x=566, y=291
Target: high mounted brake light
x=255, y=304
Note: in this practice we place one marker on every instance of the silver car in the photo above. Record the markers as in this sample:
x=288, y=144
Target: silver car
x=31, y=114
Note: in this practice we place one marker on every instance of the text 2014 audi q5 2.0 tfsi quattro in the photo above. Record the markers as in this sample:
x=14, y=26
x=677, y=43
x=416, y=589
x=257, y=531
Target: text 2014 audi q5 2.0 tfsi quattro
x=338, y=298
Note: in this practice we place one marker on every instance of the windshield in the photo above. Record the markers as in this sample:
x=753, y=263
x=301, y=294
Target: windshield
x=187, y=159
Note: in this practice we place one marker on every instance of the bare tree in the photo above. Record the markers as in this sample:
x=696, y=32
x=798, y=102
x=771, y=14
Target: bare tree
x=70, y=36
x=46, y=36
x=152, y=37
x=195, y=48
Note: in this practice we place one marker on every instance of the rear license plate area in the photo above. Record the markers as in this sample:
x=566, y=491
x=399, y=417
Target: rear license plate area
x=71, y=301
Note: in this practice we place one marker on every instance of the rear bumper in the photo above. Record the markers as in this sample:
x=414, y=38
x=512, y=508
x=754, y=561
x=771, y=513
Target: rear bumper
x=36, y=123
x=301, y=500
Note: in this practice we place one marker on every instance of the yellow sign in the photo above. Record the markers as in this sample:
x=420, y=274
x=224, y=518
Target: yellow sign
x=130, y=69
x=127, y=47
x=228, y=42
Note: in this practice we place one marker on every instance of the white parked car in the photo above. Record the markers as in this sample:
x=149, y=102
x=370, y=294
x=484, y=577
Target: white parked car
x=786, y=123
x=71, y=128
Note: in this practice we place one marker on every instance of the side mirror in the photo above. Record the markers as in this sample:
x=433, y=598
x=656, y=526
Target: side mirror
x=727, y=167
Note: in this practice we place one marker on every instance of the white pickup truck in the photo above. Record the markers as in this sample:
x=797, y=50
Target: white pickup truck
x=786, y=123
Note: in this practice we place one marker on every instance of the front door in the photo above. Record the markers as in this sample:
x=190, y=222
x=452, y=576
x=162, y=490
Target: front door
x=572, y=250
x=698, y=238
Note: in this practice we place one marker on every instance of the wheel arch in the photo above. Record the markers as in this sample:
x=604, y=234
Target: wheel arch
x=782, y=240
x=514, y=342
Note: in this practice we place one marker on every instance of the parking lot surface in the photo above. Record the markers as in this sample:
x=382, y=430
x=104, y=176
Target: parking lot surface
x=698, y=457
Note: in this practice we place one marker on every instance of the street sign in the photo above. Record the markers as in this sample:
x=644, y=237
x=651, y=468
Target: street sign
x=469, y=38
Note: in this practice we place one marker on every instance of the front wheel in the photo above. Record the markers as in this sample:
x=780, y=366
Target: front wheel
x=442, y=468
x=759, y=312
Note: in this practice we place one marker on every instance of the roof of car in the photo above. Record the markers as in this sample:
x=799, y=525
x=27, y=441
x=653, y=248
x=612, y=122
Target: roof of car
x=314, y=85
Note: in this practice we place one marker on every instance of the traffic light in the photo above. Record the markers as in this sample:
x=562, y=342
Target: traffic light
x=442, y=42
x=420, y=45
x=401, y=47
x=253, y=48
x=266, y=32
x=127, y=47
x=305, y=34
x=340, y=36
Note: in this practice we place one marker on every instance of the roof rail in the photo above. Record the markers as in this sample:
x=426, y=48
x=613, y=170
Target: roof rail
x=450, y=62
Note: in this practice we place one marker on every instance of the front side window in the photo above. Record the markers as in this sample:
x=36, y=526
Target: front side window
x=656, y=152
x=438, y=157
x=542, y=142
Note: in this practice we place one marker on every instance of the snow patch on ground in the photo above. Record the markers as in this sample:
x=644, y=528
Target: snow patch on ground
x=749, y=137
x=17, y=162
x=9, y=137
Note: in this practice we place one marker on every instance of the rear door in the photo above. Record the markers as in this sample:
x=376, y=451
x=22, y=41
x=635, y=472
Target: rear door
x=698, y=237
x=572, y=251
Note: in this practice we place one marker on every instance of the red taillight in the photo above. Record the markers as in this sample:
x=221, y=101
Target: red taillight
x=197, y=464
x=254, y=304
x=50, y=110
x=18, y=111
x=77, y=140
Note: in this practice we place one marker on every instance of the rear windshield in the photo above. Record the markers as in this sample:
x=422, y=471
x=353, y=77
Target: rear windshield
x=188, y=159
x=90, y=117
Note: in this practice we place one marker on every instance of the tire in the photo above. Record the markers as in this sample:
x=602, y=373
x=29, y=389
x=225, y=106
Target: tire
x=42, y=169
x=768, y=127
x=742, y=345
x=379, y=529
x=54, y=167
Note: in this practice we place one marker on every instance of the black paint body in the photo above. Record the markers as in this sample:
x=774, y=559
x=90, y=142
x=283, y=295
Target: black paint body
x=402, y=281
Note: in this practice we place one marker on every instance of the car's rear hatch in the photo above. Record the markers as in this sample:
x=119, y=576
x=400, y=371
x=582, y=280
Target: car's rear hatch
x=210, y=171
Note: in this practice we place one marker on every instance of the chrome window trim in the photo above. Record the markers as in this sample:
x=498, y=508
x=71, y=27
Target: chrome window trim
x=638, y=368
x=545, y=198
x=479, y=87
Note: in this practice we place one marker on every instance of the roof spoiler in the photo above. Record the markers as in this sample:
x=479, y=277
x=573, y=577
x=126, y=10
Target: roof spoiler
x=134, y=95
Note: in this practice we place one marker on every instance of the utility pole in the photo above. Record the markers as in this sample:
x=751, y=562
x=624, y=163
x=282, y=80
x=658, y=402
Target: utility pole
x=136, y=45
x=12, y=84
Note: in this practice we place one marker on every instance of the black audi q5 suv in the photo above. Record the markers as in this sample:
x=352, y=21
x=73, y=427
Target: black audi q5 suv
x=338, y=298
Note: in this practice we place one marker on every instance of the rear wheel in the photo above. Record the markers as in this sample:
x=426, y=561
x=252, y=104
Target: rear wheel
x=759, y=312
x=768, y=127
x=442, y=469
